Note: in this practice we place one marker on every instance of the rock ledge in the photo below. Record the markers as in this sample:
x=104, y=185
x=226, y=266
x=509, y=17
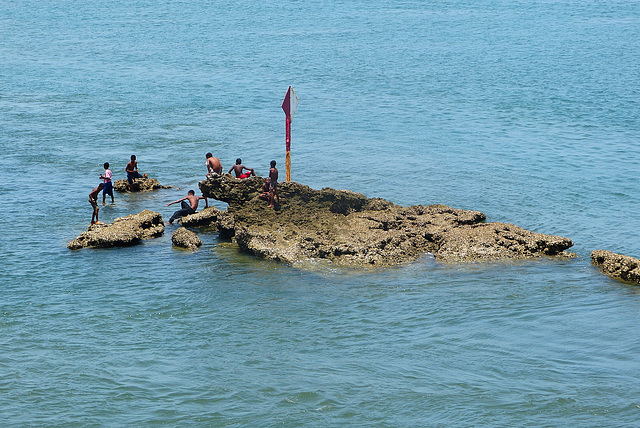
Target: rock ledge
x=350, y=229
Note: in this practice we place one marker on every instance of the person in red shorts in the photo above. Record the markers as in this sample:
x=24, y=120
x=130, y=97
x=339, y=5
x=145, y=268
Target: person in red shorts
x=238, y=168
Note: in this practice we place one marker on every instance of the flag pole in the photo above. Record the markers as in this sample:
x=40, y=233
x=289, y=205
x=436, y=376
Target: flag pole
x=289, y=106
x=288, y=147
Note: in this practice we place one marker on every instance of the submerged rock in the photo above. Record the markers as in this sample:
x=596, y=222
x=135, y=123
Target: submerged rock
x=617, y=266
x=350, y=229
x=139, y=185
x=183, y=237
x=123, y=232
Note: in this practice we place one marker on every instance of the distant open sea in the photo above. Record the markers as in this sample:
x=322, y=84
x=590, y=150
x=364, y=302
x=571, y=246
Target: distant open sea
x=526, y=110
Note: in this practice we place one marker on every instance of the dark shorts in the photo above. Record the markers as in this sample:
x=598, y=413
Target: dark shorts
x=93, y=203
x=273, y=185
x=132, y=175
x=108, y=188
x=185, y=211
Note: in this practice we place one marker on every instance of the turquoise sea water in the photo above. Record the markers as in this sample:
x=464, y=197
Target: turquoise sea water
x=525, y=110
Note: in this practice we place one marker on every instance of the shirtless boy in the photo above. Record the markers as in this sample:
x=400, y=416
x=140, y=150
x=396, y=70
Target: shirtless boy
x=238, y=167
x=108, y=185
x=213, y=164
x=187, y=208
x=132, y=172
x=273, y=184
x=266, y=186
x=93, y=200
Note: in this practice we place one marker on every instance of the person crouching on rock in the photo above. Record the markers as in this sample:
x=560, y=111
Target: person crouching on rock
x=188, y=208
x=265, y=189
x=132, y=172
x=238, y=168
x=93, y=200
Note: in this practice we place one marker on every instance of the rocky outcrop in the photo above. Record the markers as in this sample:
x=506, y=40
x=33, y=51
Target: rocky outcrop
x=139, y=185
x=184, y=238
x=350, y=229
x=617, y=266
x=123, y=232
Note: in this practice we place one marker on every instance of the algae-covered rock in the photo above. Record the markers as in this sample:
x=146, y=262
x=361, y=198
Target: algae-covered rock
x=183, y=237
x=123, y=232
x=350, y=229
x=617, y=266
x=139, y=185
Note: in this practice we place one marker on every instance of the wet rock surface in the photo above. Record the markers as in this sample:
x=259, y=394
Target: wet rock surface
x=617, y=266
x=123, y=232
x=184, y=238
x=139, y=185
x=350, y=229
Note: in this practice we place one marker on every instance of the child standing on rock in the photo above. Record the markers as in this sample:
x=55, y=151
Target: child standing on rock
x=273, y=184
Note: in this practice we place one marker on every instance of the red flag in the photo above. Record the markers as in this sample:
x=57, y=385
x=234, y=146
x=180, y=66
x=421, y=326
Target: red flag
x=286, y=104
x=290, y=102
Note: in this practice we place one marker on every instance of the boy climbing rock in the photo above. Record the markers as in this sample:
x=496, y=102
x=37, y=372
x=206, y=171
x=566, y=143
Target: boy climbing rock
x=93, y=200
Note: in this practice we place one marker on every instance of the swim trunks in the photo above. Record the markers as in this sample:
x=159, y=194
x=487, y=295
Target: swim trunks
x=132, y=175
x=185, y=211
x=93, y=203
x=108, y=188
x=245, y=175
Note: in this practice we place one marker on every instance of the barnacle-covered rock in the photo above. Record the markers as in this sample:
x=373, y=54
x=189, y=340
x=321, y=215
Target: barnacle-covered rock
x=183, y=237
x=139, y=185
x=350, y=229
x=123, y=232
x=617, y=266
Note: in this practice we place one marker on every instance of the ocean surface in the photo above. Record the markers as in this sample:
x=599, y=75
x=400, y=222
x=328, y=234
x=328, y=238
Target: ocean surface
x=526, y=110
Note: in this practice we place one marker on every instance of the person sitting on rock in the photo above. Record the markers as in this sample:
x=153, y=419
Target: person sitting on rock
x=238, y=168
x=132, y=172
x=265, y=189
x=213, y=164
x=187, y=208
x=273, y=184
x=93, y=200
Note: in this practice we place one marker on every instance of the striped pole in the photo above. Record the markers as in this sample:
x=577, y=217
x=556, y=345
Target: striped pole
x=288, y=148
x=289, y=106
